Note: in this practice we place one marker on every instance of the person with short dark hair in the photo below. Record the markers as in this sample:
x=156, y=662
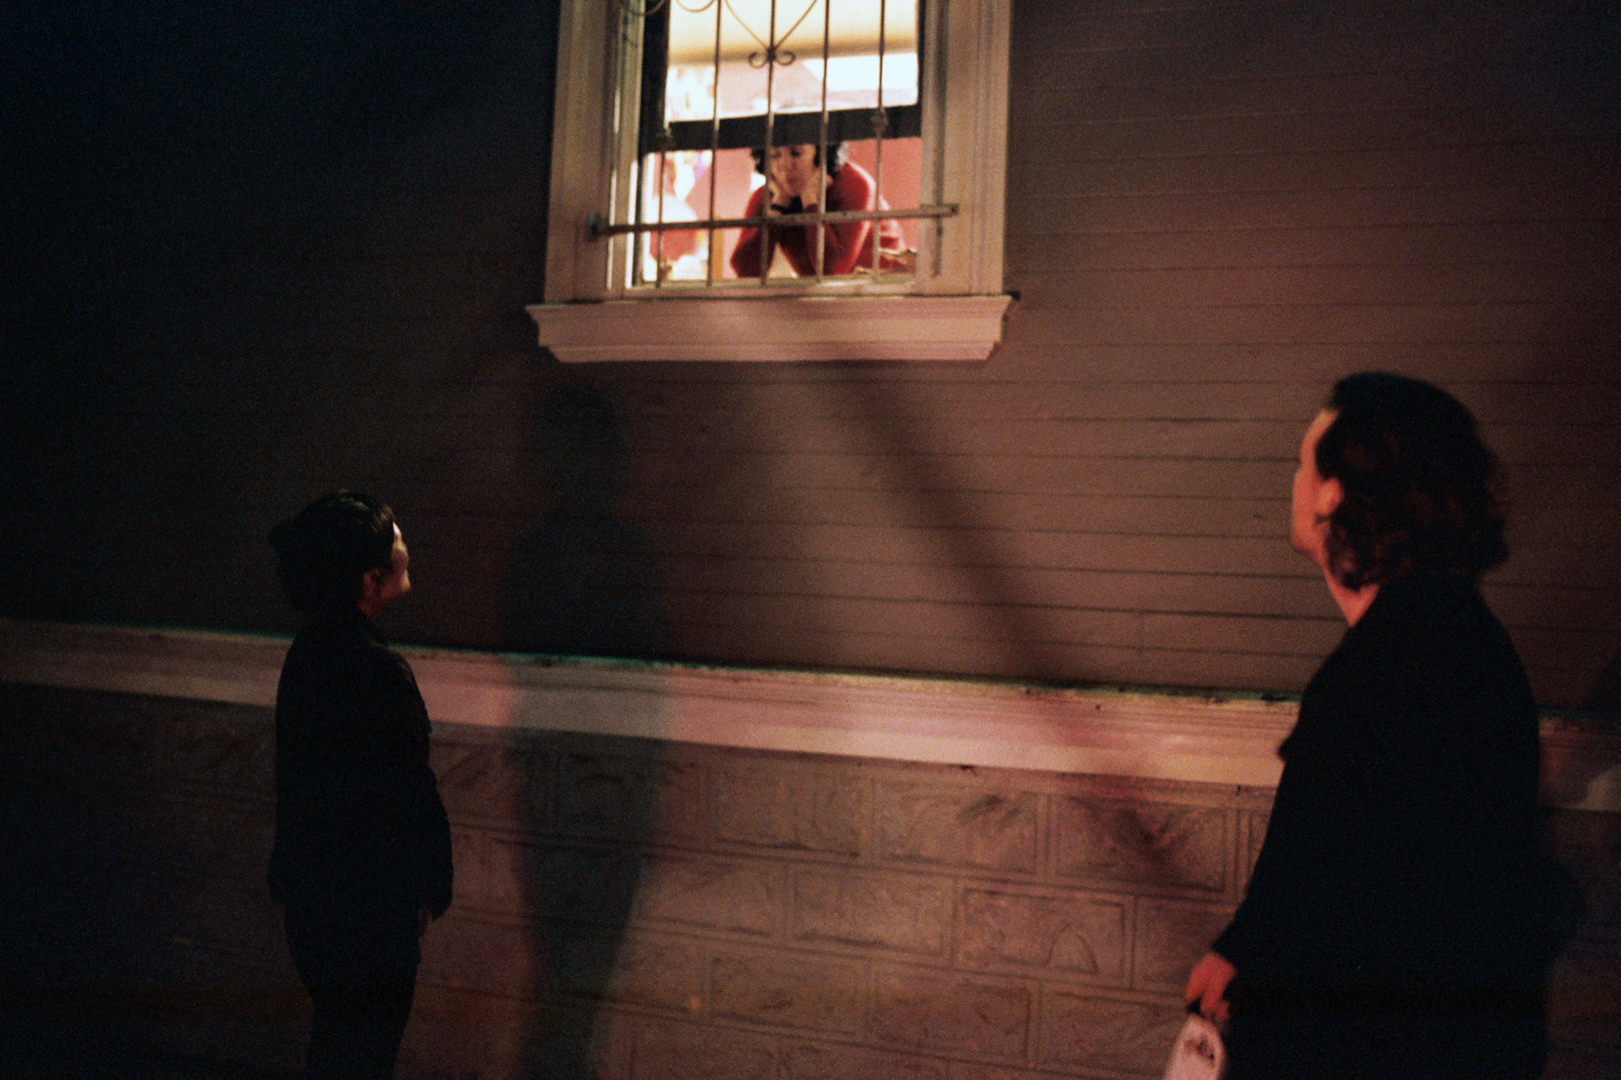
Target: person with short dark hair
x=1400, y=918
x=361, y=858
x=794, y=179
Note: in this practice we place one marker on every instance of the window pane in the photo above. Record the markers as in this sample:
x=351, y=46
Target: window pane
x=687, y=255
x=678, y=254
x=847, y=247
x=716, y=62
x=743, y=77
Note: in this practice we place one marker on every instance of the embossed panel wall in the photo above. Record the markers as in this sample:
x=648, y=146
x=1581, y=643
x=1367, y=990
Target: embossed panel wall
x=660, y=911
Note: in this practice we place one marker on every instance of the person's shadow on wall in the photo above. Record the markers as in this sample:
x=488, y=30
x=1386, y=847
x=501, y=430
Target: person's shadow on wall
x=583, y=584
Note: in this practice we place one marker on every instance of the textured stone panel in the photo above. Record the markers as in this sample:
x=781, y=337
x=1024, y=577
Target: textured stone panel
x=1143, y=843
x=226, y=917
x=789, y=990
x=636, y=798
x=737, y=896
x=104, y=737
x=497, y=870
x=828, y=1061
x=974, y=1070
x=943, y=1010
x=1108, y=1034
x=789, y=805
x=1254, y=831
x=667, y=1051
x=872, y=909
x=1066, y=934
x=1171, y=936
x=483, y=782
x=438, y=1041
x=633, y=969
x=953, y=826
x=489, y=957
x=474, y=885
x=214, y=835
x=224, y=749
x=570, y=1037
x=1589, y=843
x=570, y=884
x=1584, y=1015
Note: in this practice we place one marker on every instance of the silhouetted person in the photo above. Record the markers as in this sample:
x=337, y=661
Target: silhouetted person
x=361, y=860
x=1400, y=920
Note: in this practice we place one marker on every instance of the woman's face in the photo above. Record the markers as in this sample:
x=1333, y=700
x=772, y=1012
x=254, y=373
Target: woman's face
x=792, y=168
x=1314, y=496
x=381, y=585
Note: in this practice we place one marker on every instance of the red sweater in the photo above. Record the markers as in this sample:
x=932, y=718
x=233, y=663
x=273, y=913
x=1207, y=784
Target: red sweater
x=848, y=245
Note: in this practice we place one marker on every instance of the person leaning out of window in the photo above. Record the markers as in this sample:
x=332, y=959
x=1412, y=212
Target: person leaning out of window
x=794, y=182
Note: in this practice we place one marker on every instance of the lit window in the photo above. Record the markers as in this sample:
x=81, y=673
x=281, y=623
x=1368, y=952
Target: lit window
x=752, y=156
x=837, y=104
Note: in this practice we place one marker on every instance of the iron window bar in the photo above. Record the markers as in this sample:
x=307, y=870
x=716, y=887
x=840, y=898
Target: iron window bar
x=659, y=136
x=599, y=227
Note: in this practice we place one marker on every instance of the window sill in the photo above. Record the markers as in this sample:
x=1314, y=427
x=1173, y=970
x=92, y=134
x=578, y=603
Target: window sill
x=774, y=329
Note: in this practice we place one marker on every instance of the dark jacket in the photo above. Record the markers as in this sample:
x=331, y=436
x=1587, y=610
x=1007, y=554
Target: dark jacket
x=1401, y=853
x=359, y=822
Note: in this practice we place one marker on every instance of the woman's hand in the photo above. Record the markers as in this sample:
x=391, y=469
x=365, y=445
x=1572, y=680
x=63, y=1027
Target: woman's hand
x=1207, y=985
x=782, y=191
x=810, y=192
x=777, y=198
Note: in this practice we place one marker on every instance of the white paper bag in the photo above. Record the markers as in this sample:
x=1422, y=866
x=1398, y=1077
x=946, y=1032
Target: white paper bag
x=1198, y=1053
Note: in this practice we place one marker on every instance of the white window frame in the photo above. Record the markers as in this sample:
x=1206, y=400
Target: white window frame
x=953, y=311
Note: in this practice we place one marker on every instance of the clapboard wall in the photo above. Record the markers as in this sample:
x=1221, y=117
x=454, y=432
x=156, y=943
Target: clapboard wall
x=265, y=253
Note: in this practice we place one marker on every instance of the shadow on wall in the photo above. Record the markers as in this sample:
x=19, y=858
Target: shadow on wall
x=595, y=804
x=1605, y=696
x=583, y=582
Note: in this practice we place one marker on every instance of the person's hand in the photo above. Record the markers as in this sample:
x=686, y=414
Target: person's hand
x=1207, y=985
x=811, y=193
x=775, y=197
x=782, y=191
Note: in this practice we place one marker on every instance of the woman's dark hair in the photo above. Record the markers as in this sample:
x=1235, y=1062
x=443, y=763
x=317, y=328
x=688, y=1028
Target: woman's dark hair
x=1419, y=485
x=324, y=551
x=837, y=154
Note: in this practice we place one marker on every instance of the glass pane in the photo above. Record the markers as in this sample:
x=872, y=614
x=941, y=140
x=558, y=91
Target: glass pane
x=742, y=77
x=689, y=178
x=687, y=255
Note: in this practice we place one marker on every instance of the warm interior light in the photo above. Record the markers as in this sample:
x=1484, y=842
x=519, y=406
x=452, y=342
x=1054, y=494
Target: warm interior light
x=746, y=26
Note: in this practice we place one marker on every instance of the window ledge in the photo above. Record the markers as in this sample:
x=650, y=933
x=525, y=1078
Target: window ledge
x=775, y=328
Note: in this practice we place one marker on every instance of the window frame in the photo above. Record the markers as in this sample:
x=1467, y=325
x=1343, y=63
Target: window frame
x=953, y=311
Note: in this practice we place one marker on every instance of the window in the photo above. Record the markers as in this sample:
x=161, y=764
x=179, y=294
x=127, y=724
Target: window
x=660, y=112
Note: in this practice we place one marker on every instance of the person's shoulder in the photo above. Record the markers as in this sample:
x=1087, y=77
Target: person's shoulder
x=1429, y=614
x=342, y=637
x=1446, y=636
x=853, y=177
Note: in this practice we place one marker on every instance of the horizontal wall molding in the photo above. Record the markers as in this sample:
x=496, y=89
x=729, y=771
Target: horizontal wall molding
x=777, y=329
x=1138, y=734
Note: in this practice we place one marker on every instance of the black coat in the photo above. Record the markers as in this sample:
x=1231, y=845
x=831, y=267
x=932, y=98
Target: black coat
x=359, y=822
x=1400, y=887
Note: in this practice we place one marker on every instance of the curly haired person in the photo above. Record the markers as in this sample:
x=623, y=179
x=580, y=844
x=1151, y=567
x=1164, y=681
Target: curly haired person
x=1400, y=919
